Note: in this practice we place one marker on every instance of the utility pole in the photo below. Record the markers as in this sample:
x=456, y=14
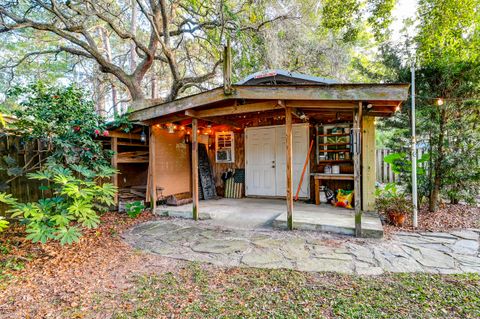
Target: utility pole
x=414, y=153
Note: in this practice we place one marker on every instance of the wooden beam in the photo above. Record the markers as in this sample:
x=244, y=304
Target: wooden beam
x=152, y=170
x=195, y=169
x=168, y=119
x=194, y=114
x=357, y=117
x=114, y=147
x=299, y=114
x=289, y=165
x=381, y=108
x=131, y=136
x=315, y=104
x=236, y=109
x=332, y=92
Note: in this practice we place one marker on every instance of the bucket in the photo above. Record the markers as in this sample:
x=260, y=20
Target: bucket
x=335, y=169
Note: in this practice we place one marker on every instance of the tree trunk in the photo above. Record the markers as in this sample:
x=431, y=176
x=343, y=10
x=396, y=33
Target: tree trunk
x=438, y=165
x=115, y=101
x=154, y=87
x=133, y=30
x=99, y=94
x=108, y=51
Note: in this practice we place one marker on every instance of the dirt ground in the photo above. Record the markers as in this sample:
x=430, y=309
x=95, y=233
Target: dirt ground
x=42, y=281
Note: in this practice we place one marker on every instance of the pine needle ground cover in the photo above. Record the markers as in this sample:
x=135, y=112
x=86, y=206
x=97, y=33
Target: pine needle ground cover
x=102, y=277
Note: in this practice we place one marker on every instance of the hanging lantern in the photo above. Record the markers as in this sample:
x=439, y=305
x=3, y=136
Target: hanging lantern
x=171, y=129
x=143, y=136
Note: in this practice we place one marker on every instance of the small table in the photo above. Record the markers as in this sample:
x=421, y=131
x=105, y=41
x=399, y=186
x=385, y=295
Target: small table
x=329, y=177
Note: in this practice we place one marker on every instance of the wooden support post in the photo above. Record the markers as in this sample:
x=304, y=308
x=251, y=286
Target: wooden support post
x=289, y=166
x=368, y=163
x=114, y=146
x=357, y=118
x=151, y=169
x=195, y=168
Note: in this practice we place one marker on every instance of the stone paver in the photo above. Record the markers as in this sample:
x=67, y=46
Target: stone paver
x=444, y=253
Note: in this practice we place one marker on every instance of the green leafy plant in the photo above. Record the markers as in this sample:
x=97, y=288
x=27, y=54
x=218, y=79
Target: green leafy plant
x=64, y=121
x=401, y=164
x=3, y=223
x=393, y=203
x=134, y=209
x=70, y=207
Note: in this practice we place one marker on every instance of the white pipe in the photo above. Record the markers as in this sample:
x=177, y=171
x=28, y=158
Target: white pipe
x=414, y=155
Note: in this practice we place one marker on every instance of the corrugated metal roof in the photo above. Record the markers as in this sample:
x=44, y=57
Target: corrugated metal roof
x=273, y=73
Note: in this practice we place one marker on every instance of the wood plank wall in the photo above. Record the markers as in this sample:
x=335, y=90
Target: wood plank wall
x=219, y=168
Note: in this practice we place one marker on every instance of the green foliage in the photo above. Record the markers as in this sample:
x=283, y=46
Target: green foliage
x=64, y=120
x=69, y=208
x=401, y=164
x=134, y=209
x=447, y=67
x=3, y=223
x=390, y=199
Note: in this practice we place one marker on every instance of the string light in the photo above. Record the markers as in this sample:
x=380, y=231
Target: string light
x=439, y=102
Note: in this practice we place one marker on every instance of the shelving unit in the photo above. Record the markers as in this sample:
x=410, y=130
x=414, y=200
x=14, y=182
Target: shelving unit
x=333, y=147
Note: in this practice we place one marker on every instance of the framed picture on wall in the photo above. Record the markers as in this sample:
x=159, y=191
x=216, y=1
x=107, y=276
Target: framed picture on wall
x=224, y=147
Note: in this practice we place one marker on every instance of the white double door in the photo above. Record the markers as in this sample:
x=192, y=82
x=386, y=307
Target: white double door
x=266, y=160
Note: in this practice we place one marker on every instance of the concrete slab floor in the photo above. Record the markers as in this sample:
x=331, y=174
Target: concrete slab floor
x=256, y=213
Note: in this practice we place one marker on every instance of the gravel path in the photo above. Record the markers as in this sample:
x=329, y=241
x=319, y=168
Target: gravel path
x=446, y=253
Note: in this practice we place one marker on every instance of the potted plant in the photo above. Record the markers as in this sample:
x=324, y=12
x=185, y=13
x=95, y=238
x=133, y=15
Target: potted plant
x=393, y=204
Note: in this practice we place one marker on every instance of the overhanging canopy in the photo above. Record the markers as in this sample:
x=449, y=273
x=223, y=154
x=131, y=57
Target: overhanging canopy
x=382, y=99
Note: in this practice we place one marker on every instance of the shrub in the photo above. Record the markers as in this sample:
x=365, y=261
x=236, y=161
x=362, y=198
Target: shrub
x=71, y=206
x=390, y=199
x=74, y=163
x=134, y=209
x=3, y=223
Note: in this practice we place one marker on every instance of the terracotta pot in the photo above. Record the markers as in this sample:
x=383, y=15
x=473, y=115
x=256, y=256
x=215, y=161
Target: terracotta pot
x=396, y=218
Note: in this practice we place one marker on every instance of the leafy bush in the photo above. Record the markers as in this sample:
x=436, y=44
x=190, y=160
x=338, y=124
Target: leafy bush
x=134, y=209
x=3, y=223
x=401, y=164
x=390, y=199
x=65, y=122
x=74, y=195
x=74, y=163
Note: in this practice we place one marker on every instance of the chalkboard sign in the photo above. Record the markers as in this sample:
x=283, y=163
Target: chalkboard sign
x=207, y=183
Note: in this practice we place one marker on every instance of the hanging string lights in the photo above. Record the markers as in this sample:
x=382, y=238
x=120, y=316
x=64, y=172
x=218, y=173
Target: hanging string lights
x=173, y=128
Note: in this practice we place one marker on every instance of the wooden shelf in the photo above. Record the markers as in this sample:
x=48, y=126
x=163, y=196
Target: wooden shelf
x=335, y=151
x=131, y=144
x=131, y=160
x=336, y=161
x=333, y=144
x=332, y=135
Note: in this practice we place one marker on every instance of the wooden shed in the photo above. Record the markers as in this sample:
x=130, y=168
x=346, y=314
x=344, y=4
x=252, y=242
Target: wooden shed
x=262, y=131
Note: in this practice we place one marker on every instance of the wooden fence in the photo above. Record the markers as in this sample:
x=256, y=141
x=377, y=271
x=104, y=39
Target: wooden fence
x=385, y=173
x=17, y=155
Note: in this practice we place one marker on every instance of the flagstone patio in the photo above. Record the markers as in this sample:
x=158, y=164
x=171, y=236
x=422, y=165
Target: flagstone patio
x=261, y=213
x=445, y=253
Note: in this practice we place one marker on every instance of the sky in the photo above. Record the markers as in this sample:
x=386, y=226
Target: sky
x=404, y=9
